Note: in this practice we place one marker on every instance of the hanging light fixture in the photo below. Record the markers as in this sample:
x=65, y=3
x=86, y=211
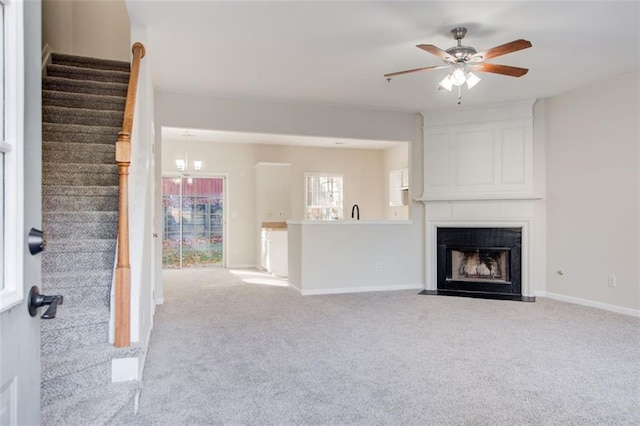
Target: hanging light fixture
x=183, y=164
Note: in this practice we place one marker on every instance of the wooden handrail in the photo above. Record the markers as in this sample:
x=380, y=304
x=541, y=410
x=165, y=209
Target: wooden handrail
x=123, y=158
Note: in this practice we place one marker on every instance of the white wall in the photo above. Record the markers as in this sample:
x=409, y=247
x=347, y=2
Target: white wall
x=98, y=28
x=593, y=192
x=361, y=169
x=200, y=112
x=237, y=162
x=393, y=159
x=141, y=197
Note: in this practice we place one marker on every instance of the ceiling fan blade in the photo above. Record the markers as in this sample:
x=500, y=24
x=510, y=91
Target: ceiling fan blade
x=442, y=54
x=501, y=69
x=503, y=49
x=394, y=74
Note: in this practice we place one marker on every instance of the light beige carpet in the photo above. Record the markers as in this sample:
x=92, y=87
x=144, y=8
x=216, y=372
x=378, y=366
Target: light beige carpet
x=240, y=349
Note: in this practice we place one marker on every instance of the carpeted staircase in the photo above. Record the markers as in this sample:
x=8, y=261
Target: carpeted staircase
x=82, y=109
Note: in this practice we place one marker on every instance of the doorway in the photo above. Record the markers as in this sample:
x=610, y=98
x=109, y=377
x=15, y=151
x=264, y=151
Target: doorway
x=193, y=225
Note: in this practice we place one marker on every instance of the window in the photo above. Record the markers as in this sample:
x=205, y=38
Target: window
x=323, y=196
x=11, y=134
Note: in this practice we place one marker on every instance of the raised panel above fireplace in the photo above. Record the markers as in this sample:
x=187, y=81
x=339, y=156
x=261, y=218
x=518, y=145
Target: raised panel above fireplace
x=468, y=158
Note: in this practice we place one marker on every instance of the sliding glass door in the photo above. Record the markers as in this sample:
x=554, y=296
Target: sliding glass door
x=193, y=222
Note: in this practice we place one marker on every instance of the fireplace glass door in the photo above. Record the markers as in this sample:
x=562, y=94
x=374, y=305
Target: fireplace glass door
x=481, y=264
x=479, y=261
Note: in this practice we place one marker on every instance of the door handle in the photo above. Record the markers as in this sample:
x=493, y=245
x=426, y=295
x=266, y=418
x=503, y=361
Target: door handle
x=37, y=300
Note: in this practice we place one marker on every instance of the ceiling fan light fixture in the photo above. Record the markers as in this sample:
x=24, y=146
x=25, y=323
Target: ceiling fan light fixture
x=472, y=80
x=457, y=76
x=446, y=83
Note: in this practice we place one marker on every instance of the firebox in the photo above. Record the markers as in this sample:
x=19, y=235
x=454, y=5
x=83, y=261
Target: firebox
x=480, y=262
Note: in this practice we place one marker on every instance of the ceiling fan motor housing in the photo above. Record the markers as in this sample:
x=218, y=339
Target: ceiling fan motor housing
x=461, y=53
x=459, y=33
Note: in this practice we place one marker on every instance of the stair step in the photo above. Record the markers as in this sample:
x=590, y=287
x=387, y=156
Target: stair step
x=82, y=100
x=87, y=117
x=78, y=174
x=78, y=255
x=81, y=369
x=81, y=358
x=73, y=383
x=77, y=280
x=80, y=289
x=91, y=74
x=87, y=198
x=77, y=225
x=80, y=246
x=76, y=317
x=61, y=84
x=79, y=133
x=82, y=297
x=88, y=62
x=94, y=407
x=61, y=340
x=73, y=152
x=81, y=168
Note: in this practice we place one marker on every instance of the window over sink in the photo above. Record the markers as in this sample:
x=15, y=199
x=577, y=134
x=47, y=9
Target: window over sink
x=324, y=196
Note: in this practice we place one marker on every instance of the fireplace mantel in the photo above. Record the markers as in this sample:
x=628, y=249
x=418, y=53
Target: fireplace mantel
x=479, y=172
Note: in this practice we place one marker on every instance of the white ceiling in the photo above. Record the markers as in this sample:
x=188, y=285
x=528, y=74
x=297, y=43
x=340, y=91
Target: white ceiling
x=336, y=52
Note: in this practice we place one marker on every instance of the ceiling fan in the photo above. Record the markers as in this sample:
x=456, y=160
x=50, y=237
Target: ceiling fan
x=463, y=60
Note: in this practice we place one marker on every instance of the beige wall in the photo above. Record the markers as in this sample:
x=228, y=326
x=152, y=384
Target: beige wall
x=362, y=170
x=593, y=192
x=393, y=159
x=97, y=28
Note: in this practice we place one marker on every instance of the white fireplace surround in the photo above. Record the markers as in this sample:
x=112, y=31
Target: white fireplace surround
x=437, y=218
x=480, y=173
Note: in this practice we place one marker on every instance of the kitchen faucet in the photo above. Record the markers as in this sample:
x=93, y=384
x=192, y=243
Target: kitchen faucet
x=356, y=209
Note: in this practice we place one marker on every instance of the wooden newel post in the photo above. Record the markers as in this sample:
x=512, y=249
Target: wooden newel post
x=123, y=159
x=123, y=268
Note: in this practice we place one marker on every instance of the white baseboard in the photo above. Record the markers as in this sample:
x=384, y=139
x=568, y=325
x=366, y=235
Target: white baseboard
x=293, y=287
x=160, y=301
x=344, y=290
x=590, y=303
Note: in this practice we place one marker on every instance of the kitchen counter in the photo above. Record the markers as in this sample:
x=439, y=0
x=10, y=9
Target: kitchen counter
x=349, y=256
x=274, y=226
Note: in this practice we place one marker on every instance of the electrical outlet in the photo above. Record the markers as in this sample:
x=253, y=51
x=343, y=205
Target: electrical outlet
x=378, y=267
x=611, y=281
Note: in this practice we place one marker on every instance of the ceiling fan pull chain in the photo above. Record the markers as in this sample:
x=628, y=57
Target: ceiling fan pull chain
x=459, y=95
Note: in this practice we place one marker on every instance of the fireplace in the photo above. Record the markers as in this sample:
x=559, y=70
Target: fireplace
x=480, y=262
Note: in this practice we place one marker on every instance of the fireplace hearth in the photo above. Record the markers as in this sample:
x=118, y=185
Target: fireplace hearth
x=479, y=262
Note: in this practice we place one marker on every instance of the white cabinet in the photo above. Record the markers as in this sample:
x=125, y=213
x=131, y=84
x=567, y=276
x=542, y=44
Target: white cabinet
x=398, y=187
x=279, y=257
x=405, y=178
x=274, y=256
x=273, y=191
